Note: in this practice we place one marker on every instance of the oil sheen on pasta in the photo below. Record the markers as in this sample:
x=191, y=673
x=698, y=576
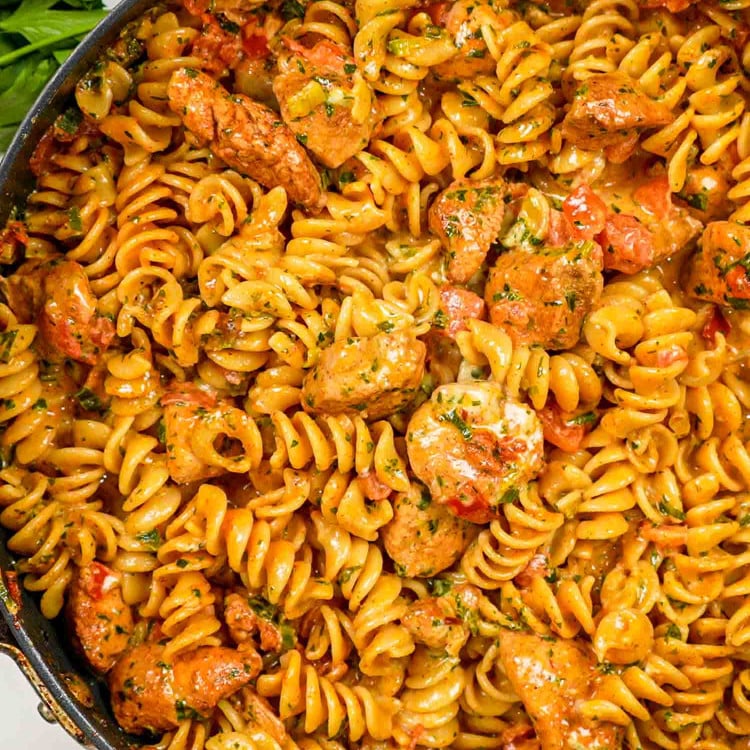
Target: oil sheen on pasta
x=372, y=375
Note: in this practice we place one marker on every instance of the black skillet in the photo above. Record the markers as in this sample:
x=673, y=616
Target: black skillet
x=37, y=645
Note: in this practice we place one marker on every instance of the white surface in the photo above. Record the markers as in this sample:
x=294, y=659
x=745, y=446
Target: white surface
x=21, y=726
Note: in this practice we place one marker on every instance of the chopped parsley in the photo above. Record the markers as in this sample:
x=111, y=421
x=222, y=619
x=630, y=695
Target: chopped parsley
x=88, y=400
x=456, y=420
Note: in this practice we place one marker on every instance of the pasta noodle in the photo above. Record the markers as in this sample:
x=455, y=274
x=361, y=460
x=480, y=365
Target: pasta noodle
x=381, y=366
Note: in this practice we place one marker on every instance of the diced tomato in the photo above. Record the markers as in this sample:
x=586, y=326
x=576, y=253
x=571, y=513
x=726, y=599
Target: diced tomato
x=188, y=394
x=101, y=581
x=716, y=323
x=738, y=282
x=372, y=487
x=470, y=505
x=628, y=246
x=670, y=355
x=325, y=54
x=438, y=12
x=559, y=430
x=655, y=196
x=255, y=45
x=585, y=212
x=11, y=581
x=456, y=307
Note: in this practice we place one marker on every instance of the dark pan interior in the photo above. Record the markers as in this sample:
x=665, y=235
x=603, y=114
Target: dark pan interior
x=40, y=640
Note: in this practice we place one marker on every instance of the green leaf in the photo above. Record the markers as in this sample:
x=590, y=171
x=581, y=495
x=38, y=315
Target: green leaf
x=41, y=27
x=6, y=136
x=8, y=43
x=36, y=22
x=85, y=4
x=61, y=55
x=16, y=100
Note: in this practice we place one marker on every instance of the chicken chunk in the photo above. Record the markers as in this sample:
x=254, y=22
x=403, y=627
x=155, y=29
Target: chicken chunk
x=423, y=537
x=325, y=101
x=99, y=620
x=69, y=322
x=246, y=135
x=463, y=20
x=543, y=297
x=631, y=215
x=643, y=226
x=217, y=49
x=57, y=296
x=720, y=270
x=24, y=290
x=244, y=622
x=456, y=307
x=187, y=407
x=372, y=377
x=444, y=622
x=551, y=677
x=473, y=448
x=705, y=191
x=153, y=694
x=611, y=110
x=467, y=217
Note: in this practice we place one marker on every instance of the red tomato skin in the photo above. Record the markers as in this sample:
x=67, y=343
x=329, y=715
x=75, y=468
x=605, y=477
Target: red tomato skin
x=738, y=282
x=255, y=46
x=628, y=246
x=557, y=429
x=585, y=212
x=655, y=196
x=475, y=508
x=438, y=12
x=99, y=575
x=716, y=323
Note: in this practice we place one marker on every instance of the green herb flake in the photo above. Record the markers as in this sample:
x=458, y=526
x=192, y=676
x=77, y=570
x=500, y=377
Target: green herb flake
x=457, y=421
x=152, y=539
x=7, y=339
x=88, y=400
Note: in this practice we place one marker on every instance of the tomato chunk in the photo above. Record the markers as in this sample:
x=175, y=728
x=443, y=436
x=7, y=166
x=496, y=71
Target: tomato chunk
x=655, y=196
x=438, y=12
x=559, y=429
x=586, y=213
x=470, y=505
x=716, y=323
x=628, y=246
